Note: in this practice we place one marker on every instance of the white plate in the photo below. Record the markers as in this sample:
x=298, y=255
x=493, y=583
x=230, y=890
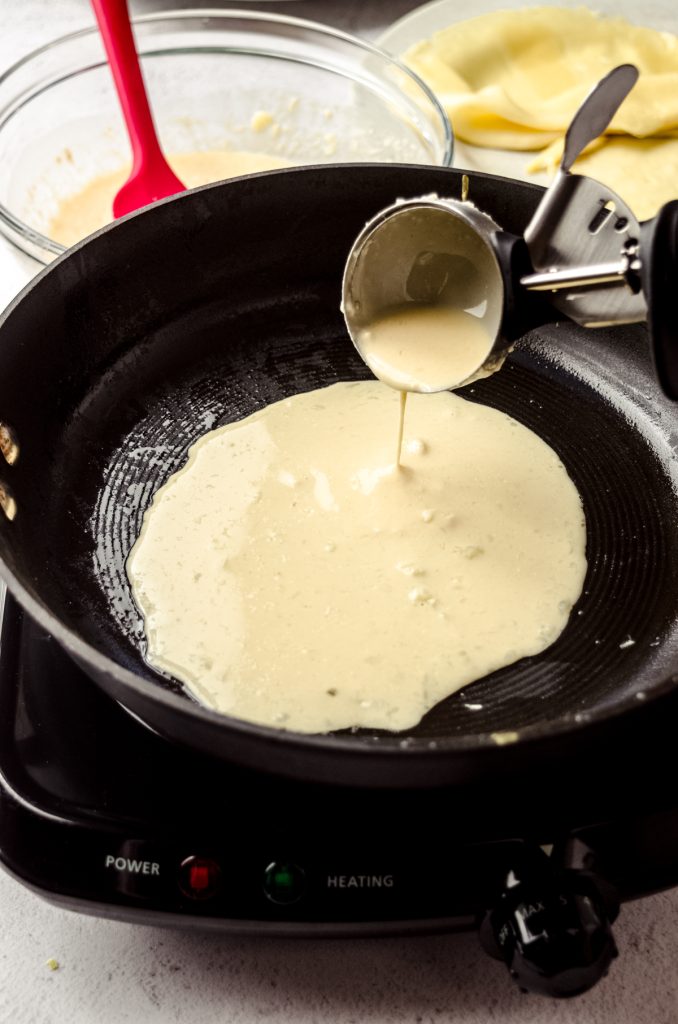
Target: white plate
x=424, y=21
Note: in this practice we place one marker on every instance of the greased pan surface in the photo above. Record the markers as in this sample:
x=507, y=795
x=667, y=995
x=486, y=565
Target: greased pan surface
x=212, y=304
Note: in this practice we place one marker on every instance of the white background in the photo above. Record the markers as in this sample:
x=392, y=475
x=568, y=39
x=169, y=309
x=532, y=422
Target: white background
x=110, y=972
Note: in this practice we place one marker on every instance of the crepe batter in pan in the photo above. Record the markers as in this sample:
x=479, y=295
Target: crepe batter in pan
x=293, y=574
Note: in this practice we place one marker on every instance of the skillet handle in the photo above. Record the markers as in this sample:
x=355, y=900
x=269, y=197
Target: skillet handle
x=659, y=278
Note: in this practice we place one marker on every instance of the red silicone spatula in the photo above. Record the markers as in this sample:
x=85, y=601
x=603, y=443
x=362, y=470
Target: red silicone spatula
x=151, y=177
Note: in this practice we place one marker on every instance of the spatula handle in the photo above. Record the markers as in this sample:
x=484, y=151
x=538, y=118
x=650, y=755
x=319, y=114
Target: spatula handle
x=116, y=32
x=597, y=110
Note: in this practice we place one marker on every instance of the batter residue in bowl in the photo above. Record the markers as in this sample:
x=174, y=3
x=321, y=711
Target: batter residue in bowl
x=91, y=208
x=291, y=575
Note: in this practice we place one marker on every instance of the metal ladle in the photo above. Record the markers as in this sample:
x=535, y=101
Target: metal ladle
x=432, y=252
x=584, y=250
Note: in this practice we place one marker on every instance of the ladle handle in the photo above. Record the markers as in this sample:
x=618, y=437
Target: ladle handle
x=659, y=278
x=597, y=110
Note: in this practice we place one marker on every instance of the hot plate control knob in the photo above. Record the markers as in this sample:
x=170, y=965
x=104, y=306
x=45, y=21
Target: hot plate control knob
x=553, y=932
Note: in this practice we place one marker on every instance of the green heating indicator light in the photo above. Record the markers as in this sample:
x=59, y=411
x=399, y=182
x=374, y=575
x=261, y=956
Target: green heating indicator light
x=283, y=882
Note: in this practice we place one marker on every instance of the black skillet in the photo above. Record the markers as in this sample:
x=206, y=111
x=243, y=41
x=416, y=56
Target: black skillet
x=213, y=304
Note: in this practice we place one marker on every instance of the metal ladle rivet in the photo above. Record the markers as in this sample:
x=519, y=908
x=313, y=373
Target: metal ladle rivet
x=9, y=446
x=7, y=502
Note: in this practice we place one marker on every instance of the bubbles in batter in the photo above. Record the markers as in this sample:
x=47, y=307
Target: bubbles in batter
x=292, y=575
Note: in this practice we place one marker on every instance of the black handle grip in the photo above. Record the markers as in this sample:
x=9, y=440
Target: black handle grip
x=659, y=278
x=523, y=310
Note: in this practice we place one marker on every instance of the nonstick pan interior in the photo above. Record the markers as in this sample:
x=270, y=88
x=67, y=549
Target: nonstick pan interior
x=206, y=308
x=629, y=602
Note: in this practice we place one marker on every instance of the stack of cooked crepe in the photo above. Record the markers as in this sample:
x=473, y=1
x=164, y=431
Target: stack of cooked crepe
x=513, y=80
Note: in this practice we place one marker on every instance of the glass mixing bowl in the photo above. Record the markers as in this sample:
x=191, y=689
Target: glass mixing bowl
x=217, y=79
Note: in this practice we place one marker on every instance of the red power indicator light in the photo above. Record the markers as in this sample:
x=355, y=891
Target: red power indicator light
x=199, y=877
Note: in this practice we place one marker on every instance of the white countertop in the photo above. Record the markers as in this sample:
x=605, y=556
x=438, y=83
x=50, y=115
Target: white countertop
x=112, y=972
